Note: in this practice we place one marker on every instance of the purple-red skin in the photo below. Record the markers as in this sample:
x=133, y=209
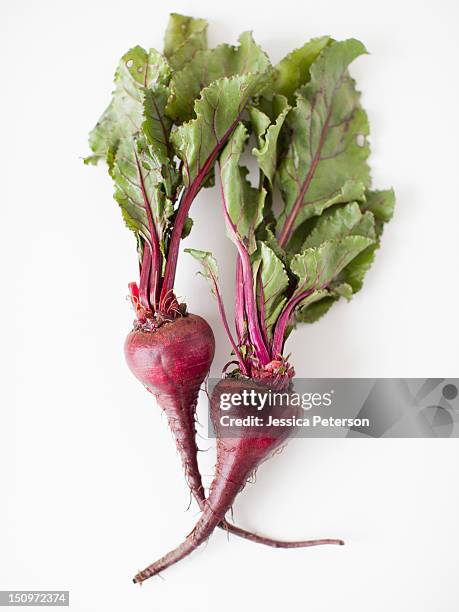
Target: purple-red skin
x=172, y=362
x=237, y=458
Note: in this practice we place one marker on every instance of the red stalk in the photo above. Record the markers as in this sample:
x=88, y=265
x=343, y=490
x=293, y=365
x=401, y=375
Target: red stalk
x=264, y=331
x=155, y=250
x=224, y=319
x=249, y=295
x=284, y=237
x=282, y=322
x=288, y=225
x=185, y=203
x=144, y=298
x=239, y=308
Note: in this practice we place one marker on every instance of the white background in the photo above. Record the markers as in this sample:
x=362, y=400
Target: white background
x=91, y=488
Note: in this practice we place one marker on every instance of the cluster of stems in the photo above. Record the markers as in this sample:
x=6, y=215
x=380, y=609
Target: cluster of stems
x=154, y=297
x=257, y=355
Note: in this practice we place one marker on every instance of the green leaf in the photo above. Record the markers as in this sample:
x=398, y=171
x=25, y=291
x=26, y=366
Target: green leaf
x=340, y=222
x=335, y=225
x=188, y=225
x=259, y=122
x=137, y=191
x=209, y=267
x=243, y=202
x=379, y=208
x=328, y=268
x=366, y=226
x=185, y=36
x=314, y=297
x=270, y=271
x=342, y=289
x=133, y=137
x=218, y=111
x=313, y=312
x=381, y=204
x=354, y=273
x=265, y=234
x=293, y=71
x=317, y=267
x=327, y=148
x=316, y=302
x=157, y=125
x=137, y=71
x=266, y=153
x=209, y=66
x=350, y=191
x=349, y=220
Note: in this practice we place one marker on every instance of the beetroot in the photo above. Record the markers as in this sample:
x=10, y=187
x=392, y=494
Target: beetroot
x=171, y=362
x=238, y=457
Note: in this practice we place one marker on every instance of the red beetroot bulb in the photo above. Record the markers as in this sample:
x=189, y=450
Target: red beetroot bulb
x=172, y=361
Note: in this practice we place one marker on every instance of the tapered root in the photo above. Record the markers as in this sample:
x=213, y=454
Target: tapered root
x=191, y=544
x=258, y=539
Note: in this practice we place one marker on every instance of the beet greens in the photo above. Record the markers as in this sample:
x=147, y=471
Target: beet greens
x=169, y=117
x=295, y=261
